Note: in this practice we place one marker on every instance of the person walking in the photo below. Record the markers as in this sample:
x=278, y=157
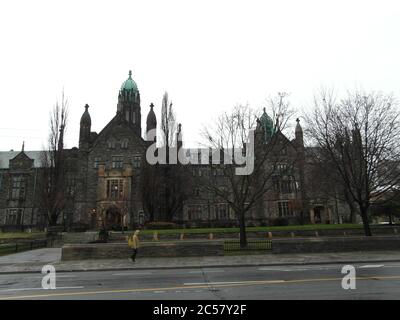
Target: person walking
x=134, y=243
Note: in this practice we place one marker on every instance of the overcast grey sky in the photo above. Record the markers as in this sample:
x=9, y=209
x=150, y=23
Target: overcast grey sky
x=208, y=55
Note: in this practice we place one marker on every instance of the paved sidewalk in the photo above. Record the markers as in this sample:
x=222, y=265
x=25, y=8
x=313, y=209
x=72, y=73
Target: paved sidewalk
x=33, y=261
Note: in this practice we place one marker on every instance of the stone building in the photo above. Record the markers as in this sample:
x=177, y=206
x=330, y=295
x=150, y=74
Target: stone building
x=106, y=183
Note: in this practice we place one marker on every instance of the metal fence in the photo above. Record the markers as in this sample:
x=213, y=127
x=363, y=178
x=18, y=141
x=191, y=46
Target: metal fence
x=23, y=245
x=234, y=245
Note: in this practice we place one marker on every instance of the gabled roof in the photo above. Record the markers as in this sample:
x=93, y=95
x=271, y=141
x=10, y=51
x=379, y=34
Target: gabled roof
x=6, y=156
x=119, y=119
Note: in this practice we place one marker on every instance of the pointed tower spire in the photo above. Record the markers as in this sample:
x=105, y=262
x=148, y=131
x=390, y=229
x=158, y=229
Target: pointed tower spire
x=23, y=146
x=85, y=127
x=151, y=122
x=299, y=133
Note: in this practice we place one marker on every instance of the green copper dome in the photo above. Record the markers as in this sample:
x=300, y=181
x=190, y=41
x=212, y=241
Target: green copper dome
x=129, y=84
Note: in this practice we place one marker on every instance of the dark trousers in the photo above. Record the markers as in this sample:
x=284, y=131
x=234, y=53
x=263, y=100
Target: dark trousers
x=134, y=252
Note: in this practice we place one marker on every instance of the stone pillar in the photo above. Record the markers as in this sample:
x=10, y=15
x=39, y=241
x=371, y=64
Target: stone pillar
x=312, y=218
x=329, y=215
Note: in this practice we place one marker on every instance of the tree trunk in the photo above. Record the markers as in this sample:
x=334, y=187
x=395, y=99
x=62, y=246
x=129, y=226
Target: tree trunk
x=242, y=232
x=364, y=216
x=53, y=219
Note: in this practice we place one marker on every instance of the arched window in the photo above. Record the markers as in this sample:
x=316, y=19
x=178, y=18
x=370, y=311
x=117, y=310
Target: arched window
x=124, y=144
x=111, y=144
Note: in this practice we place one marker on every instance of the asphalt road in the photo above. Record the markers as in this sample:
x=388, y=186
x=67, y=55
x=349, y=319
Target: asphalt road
x=374, y=281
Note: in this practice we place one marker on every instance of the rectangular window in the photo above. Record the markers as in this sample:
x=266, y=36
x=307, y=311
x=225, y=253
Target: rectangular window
x=12, y=216
x=284, y=209
x=222, y=211
x=18, y=188
x=286, y=186
x=281, y=168
x=195, y=212
x=136, y=161
x=115, y=189
x=117, y=162
x=71, y=185
x=96, y=162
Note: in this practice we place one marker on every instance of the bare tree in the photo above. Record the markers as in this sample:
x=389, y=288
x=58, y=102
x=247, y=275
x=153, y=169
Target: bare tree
x=359, y=137
x=170, y=199
x=281, y=109
x=168, y=123
x=231, y=131
x=54, y=191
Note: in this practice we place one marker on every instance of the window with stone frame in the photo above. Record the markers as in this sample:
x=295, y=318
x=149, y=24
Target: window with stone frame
x=222, y=211
x=284, y=209
x=282, y=169
x=115, y=189
x=117, y=162
x=71, y=186
x=18, y=187
x=111, y=144
x=133, y=117
x=136, y=161
x=195, y=212
x=286, y=186
x=96, y=162
x=124, y=144
x=13, y=216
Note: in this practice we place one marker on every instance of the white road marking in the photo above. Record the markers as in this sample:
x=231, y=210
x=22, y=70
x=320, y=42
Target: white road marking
x=392, y=266
x=207, y=271
x=159, y=291
x=58, y=276
x=371, y=266
x=227, y=282
x=287, y=270
x=131, y=274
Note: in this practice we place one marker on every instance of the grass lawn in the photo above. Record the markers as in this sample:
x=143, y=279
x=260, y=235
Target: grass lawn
x=21, y=235
x=249, y=229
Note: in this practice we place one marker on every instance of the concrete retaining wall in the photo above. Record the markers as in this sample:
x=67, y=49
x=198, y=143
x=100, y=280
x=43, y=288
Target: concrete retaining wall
x=377, y=230
x=79, y=237
x=336, y=244
x=121, y=250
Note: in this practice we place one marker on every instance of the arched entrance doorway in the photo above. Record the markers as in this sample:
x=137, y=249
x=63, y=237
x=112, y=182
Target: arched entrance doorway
x=113, y=218
x=318, y=211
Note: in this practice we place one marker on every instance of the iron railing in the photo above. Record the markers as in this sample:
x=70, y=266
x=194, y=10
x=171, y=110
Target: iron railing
x=23, y=245
x=234, y=245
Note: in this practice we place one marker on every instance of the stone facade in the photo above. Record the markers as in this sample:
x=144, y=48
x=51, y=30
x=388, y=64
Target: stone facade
x=107, y=168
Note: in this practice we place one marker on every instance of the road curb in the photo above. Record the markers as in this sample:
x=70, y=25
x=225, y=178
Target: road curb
x=208, y=266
